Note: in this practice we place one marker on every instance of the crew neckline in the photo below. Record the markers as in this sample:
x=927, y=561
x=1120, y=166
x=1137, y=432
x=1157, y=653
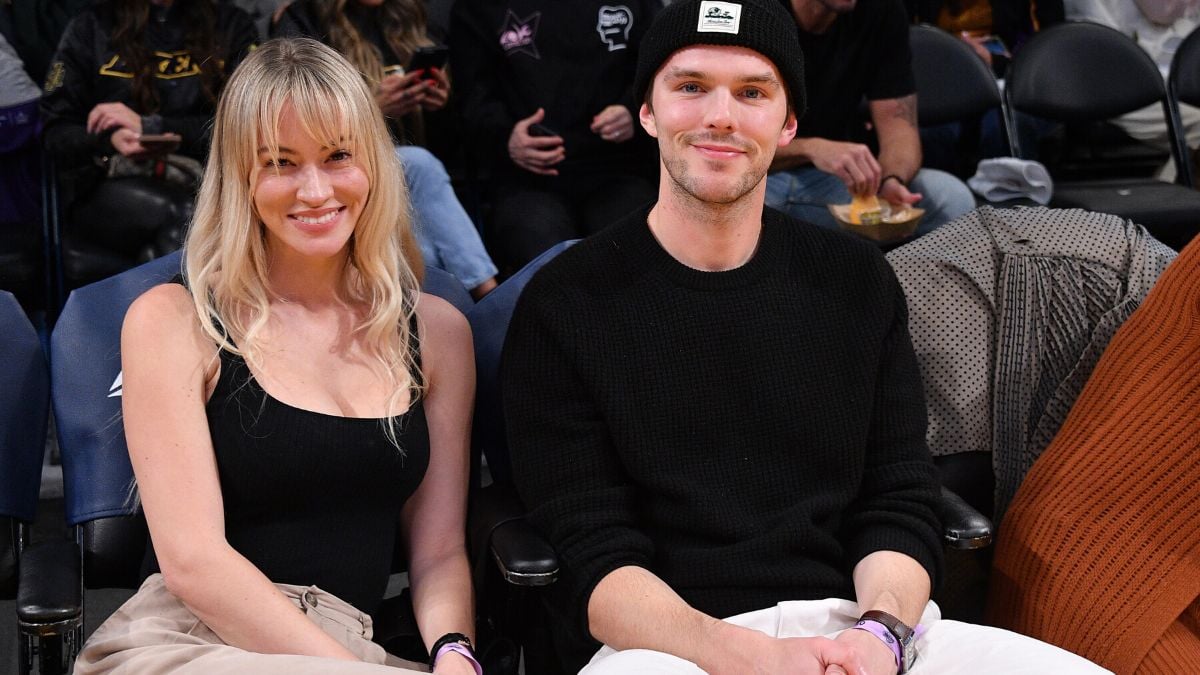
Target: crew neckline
x=662, y=262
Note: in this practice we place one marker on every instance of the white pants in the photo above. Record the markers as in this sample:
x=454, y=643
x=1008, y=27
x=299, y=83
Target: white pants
x=946, y=646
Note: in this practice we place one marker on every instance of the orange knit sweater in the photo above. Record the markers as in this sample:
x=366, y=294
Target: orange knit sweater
x=1100, y=551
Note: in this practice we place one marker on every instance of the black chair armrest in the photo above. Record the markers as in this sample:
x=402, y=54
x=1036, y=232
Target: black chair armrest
x=963, y=527
x=497, y=527
x=49, y=593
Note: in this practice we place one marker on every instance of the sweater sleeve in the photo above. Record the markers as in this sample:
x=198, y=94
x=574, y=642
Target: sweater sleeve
x=474, y=61
x=896, y=505
x=564, y=463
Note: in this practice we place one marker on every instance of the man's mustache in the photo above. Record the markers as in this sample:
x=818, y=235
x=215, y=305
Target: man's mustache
x=718, y=139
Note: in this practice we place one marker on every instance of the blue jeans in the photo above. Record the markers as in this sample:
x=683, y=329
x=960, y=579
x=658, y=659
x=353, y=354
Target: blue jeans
x=806, y=192
x=447, y=237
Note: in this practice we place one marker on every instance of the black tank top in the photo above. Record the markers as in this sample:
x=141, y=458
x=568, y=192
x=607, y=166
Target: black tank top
x=310, y=498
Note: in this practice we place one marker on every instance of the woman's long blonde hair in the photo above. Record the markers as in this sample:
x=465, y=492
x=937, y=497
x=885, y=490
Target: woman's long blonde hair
x=225, y=254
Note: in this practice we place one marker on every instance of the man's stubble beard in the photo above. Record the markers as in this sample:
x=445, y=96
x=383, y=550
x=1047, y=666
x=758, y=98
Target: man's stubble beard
x=685, y=185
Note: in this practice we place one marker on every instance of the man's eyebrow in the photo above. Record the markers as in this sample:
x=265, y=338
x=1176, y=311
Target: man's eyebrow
x=758, y=78
x=679, y=73
x=764, y=78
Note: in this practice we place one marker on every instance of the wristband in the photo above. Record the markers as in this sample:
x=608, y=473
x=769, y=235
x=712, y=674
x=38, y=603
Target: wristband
x=885, y=636
x=461, y=649
x=899, y=180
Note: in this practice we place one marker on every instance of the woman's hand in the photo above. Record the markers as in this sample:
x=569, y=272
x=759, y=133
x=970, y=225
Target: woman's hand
x=614, y=124
x=437, y=90
x=105, y=116
x=400, y=95
x=125, y=141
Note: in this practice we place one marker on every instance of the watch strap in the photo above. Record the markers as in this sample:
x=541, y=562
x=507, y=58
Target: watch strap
x=897, y=627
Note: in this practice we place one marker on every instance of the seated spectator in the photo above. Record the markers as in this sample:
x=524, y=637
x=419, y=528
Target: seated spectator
x=20, y=189
x=1159, y=26
x=995, y=30
x=546, y=94
x=380, y=37
x=854, y=50
x=126, y=69
x=1100, y=551
x=714, y=409
x=273, y=521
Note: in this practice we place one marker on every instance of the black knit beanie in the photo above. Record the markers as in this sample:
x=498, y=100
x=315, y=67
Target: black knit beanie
x=762, y=25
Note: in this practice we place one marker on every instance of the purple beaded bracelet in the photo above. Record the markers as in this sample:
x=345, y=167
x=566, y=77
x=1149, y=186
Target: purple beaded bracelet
x=881, y=631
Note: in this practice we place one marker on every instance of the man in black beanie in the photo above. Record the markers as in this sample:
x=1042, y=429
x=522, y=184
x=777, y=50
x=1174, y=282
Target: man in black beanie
x=714, y=410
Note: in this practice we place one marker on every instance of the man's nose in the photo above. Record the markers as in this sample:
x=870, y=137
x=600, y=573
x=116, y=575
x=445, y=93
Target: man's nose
x=720, y=114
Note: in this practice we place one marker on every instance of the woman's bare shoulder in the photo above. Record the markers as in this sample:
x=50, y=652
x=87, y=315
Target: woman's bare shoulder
x=164, y=317
x=444, y=331
x=439, y=316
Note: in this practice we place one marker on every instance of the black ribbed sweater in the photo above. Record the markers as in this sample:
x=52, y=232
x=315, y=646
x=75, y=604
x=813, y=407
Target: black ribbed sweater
x=747, y=435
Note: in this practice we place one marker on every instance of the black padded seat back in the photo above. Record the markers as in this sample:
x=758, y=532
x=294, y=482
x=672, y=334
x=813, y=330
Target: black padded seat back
x=1185, y=70
x=113, y=549
x=1080, y=72
x=953, y=83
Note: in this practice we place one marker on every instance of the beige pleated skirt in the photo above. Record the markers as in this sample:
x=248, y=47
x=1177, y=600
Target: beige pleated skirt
x=156, y=633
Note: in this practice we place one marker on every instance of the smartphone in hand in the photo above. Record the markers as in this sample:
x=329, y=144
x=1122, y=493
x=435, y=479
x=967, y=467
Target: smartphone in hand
x=541, y=130
x=995, y=45
x=426, y=58
x=160, y=144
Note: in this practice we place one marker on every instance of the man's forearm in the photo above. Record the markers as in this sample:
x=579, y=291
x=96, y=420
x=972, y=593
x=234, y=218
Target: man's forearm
x=894, y=583
x=903, y=164
x=631, y=608
x=895, y=123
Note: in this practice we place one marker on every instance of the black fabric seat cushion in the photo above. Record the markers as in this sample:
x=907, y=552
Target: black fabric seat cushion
x=1165, y=209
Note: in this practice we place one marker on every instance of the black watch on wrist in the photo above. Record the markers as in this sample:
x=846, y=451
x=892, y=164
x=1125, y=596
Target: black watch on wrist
x=905, y=636
x=447, y=639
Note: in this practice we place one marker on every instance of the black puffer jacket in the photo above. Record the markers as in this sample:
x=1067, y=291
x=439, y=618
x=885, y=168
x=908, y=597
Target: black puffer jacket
x=86, y=71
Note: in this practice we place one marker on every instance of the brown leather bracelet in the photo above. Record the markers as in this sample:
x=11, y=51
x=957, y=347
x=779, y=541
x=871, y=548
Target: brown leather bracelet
x=899, y=180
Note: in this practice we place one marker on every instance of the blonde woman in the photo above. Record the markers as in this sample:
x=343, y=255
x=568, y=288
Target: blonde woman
x=292, y=399
x=380, y=38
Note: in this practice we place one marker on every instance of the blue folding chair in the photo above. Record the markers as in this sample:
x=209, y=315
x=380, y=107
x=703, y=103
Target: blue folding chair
x=497, y=527
x=24, y=404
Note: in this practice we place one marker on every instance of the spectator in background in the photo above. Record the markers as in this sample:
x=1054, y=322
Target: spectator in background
x=380, y=37
x=1012, y=22
x=128, y=68
x=20, y=189
x=854, y=50
x=995, y=30
x=546, y=93
x=1159, y=26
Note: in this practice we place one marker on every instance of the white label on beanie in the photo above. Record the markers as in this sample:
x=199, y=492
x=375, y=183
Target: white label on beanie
x=719, y=17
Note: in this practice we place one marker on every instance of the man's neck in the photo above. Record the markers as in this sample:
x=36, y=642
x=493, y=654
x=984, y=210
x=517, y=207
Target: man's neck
x=813, y=16
x=705, y=236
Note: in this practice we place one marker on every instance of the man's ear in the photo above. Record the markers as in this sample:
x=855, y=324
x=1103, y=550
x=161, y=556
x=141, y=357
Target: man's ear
x=788, y=132
x=646, y=117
